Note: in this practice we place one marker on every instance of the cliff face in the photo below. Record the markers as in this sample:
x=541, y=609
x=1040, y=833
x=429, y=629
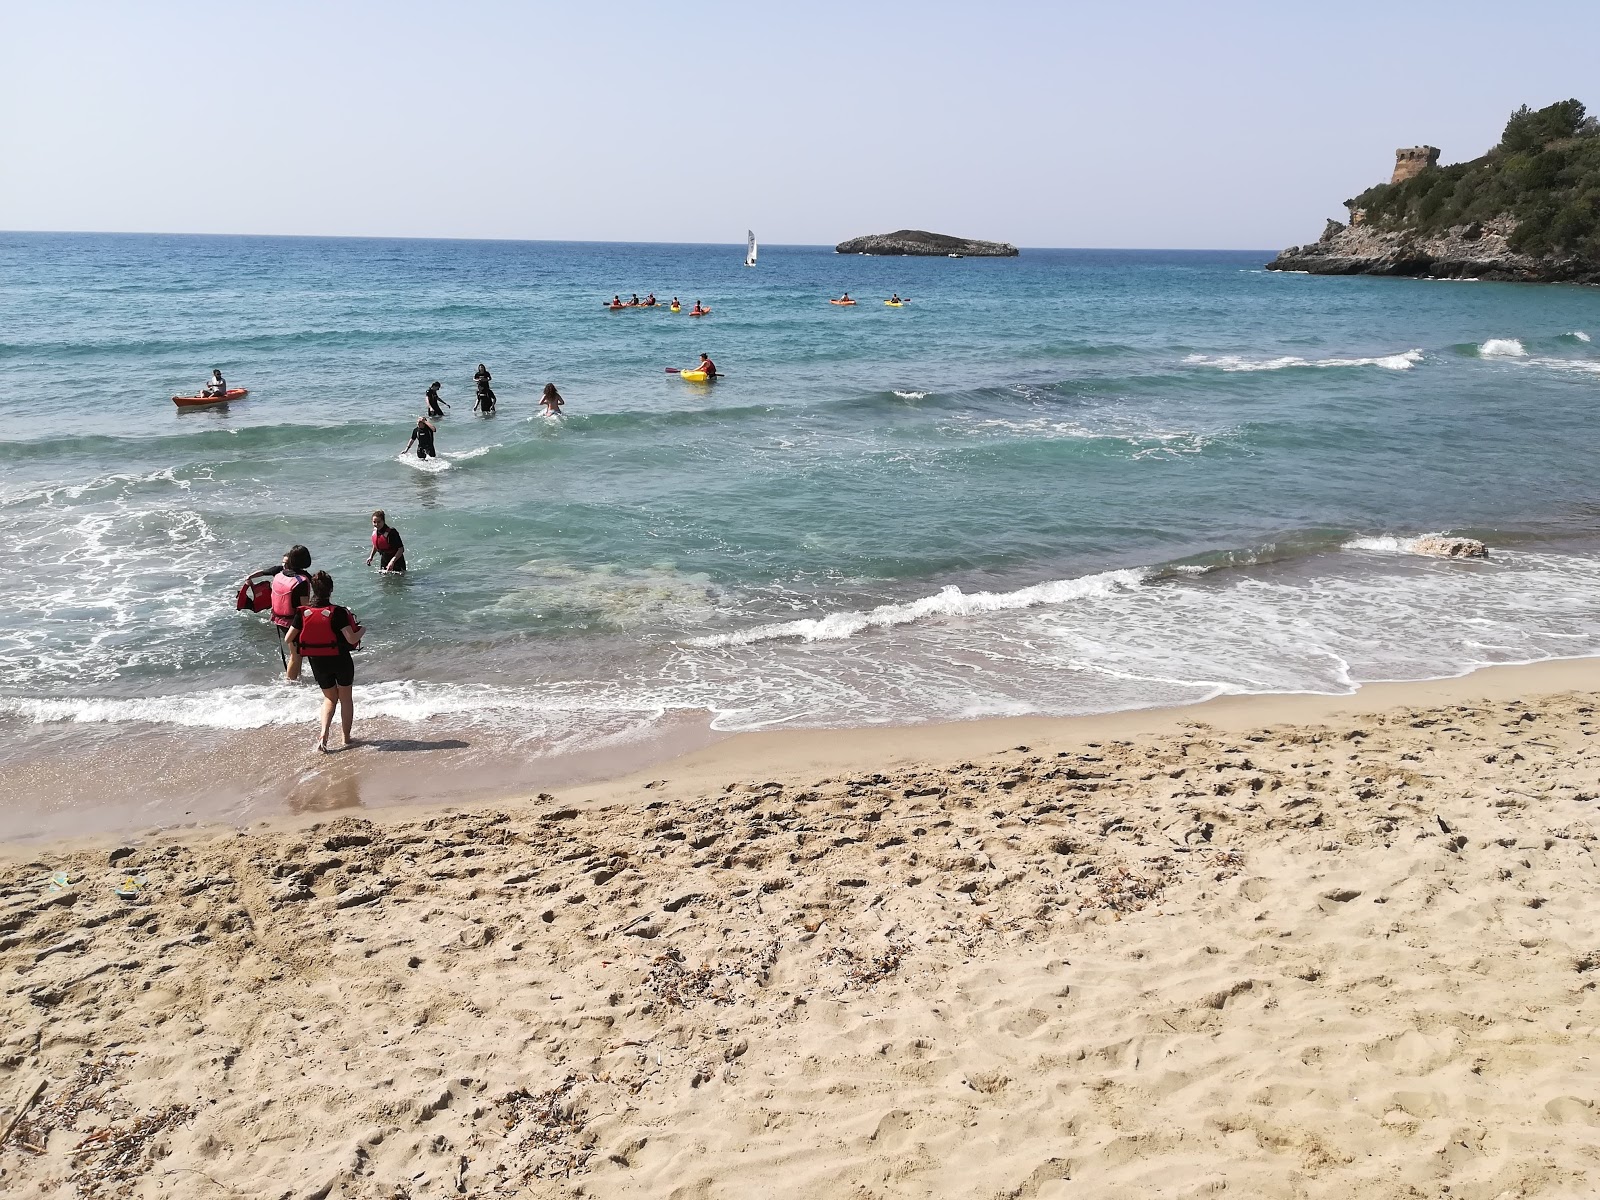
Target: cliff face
x=919, y=241
x=1475, y=251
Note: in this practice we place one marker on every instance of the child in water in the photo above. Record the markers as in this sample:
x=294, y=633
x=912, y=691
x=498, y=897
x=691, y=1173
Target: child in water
x=551, y=401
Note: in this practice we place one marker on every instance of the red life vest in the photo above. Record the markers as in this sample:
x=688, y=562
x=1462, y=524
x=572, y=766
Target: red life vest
x=254, y=597
x=380, y=541
x=318, y=638
x=284, y=584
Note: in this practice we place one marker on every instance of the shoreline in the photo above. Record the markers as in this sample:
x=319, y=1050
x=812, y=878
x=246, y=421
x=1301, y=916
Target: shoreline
x=1329, y=947
x=682, y=755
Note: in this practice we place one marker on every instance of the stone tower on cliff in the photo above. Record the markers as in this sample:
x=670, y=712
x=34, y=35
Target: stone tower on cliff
x=1413, y=161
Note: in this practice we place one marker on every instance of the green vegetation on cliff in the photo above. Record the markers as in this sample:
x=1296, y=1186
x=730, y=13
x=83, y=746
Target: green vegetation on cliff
x=1545, y=174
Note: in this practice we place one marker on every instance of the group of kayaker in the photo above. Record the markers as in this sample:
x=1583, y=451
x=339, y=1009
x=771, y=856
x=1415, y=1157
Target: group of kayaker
x=650, y=301
x=893, y=301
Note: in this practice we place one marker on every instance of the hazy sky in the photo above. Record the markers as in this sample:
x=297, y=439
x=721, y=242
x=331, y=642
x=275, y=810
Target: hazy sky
x=1046, y=124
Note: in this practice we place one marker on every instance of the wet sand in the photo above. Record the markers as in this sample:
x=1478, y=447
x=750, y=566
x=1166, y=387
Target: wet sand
x=1278, y=946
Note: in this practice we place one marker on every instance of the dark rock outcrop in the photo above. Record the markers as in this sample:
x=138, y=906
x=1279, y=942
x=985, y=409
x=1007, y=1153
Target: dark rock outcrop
x=1475, y=251
x=919, y=241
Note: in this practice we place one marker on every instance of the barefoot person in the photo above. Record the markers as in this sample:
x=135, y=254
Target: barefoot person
x=279, y=590
x=324, y=633
x=422, y=437
x=387, y=545
x=551, y=401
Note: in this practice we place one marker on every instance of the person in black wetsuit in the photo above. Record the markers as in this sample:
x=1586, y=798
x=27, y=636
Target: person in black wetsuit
x=387, y=545
x=434, y=401
x=486, y=397
x=422, y=436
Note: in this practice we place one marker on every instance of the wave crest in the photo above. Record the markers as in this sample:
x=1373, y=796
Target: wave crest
x=1234, y=362
x=949, y=601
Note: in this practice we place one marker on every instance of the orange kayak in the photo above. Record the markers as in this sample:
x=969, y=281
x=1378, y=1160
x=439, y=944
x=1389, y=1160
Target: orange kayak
x=842, y=303
x=201, y=401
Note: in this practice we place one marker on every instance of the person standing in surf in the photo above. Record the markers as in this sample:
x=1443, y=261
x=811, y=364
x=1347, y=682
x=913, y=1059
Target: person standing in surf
x=387, y=545
x=432, y=396
x=551, y=401
x=422, y=437
x=486, y=397
x=324, y=633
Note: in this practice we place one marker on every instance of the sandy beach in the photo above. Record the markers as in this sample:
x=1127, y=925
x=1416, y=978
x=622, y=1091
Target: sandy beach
x=1278, y=946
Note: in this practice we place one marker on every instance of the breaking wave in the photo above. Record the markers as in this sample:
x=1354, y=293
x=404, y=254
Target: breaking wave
x=1234, y=362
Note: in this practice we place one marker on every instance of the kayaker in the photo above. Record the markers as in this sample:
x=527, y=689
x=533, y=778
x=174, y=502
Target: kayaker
x=616, y=302
x=325, y=633
x=486, y=396
x=709, y=367
x=844, y=299
x=895, y=299
x=422, y=437
x=216, y=385
x=551, y=401
x=387, y=545
x=434, y=401
x=635, y=302
x=650, y=300
x=675, y=303
x=696, y=310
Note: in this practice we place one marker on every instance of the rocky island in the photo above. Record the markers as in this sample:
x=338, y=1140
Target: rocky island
x=920, y=241
x=1524, y=212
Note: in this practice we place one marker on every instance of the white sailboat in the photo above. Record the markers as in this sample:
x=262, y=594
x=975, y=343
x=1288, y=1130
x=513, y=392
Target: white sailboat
x=750, y=248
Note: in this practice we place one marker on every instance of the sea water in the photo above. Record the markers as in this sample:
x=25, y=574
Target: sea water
x=1069, y=482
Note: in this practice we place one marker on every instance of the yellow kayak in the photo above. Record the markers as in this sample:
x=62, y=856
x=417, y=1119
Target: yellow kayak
x=693, y=376
x=895, y=303
x=675, y=308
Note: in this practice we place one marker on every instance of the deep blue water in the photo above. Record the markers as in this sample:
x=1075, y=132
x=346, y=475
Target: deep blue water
x=1071, y=481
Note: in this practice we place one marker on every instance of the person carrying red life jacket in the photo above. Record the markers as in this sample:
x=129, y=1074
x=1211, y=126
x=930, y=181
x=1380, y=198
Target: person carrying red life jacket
x=325, y=633
x=290, y=586
x=386, y=544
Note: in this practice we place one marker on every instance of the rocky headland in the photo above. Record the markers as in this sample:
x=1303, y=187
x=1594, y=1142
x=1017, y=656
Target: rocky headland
x=920, y=241
x=1476, y=251
x=1523, y=212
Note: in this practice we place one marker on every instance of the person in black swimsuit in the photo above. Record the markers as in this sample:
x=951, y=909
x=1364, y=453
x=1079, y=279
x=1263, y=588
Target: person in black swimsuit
x=486, y=397
x=422, y=436
x=434, y=401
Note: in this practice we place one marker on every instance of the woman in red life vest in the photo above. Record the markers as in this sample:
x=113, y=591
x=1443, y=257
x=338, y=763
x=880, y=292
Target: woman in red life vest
x=386, y=544
x=324, y=633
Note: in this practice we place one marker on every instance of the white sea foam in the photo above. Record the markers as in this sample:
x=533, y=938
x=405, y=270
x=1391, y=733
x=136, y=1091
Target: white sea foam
x=1580, y=335
x=1234, y=362
x=462, y=455
x=429, y=466
x=1502, y=348
x=912, y=395
x=949, y=601
x=1388, y=543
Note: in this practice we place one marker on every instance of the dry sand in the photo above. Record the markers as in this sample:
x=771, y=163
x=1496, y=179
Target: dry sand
x=1307, y=948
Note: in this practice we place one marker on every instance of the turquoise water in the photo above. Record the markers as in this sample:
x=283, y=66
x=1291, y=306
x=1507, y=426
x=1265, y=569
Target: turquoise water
x=1073, y=481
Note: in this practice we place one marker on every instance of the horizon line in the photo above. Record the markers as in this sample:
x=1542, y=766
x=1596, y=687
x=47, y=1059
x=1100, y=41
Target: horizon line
x=383, y=237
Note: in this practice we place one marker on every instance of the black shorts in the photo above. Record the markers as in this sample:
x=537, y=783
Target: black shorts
x=332, y=670
x=396, y=562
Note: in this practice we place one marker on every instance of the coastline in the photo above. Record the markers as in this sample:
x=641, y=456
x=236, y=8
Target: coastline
x=404, y=772
x=1296, y=946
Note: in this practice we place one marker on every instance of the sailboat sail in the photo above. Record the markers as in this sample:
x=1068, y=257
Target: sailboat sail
x=750, y=249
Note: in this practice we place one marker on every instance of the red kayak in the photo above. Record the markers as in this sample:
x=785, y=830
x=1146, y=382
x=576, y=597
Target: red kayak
x=199, y=401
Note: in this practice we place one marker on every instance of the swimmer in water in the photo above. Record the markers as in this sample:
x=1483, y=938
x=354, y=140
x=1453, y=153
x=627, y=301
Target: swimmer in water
x=551, y=401
x=387, y=545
